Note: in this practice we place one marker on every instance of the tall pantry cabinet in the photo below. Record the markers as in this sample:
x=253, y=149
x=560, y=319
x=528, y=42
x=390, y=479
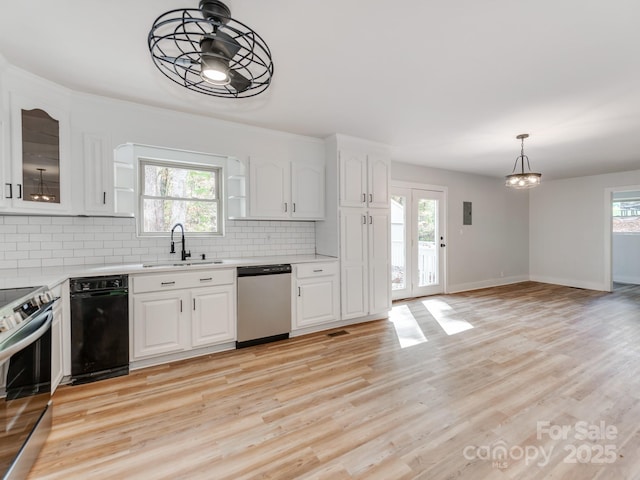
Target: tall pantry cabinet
x=357, y=227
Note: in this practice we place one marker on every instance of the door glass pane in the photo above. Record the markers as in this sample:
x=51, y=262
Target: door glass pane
x=398, y=242
x=40, y=157
x=427, y=236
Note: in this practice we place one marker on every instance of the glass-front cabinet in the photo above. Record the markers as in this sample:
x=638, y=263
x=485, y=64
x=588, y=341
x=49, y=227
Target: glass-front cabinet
x=37, y=173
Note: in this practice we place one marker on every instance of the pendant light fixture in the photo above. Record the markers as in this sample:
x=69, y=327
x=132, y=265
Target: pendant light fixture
x=42, y=195
x=205, y=50
x=523, y=179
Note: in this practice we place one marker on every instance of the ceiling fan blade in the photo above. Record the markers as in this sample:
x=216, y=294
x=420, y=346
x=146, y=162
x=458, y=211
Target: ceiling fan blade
x=239, y=82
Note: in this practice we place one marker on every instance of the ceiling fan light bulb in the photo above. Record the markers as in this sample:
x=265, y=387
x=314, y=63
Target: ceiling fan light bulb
x=214, y=75
x=214, y=70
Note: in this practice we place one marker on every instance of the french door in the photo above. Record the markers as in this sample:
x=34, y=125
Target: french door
x=417, y=242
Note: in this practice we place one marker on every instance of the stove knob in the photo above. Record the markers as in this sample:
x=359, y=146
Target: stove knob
x=4, y=324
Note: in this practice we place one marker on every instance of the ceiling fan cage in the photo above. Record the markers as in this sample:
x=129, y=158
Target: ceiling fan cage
x=175, y=42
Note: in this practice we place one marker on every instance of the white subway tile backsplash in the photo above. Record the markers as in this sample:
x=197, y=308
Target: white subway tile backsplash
x=4, y=229
x=27, y=241
x=17, y=220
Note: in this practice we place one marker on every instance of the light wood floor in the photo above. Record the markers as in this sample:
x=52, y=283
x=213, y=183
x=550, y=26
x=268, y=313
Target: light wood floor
x=358, y=406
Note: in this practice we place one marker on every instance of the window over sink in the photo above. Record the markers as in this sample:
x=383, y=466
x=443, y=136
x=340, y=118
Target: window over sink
x=175, y=192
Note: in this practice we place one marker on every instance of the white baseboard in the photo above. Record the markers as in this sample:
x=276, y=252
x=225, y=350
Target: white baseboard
x=570, y=282
x=492, y=282
x=626, y=279
x=339, y=323
x=173, y=357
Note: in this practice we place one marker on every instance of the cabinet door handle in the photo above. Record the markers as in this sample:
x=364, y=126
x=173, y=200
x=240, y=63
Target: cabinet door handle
x=104, y=198
x=370, y=197
x=10, y=185
x=317, y=271
x=364, y=219
x=166, y=284
x=364, y=197
x=370, y=219
x=299, y=292
x=19, y=190
x=208, y=279
x=294, y=207
x=285, y=207
x=194, y=304
x=180, y=306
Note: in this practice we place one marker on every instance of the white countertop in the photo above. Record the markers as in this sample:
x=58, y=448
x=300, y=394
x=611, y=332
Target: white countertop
x=52, y=276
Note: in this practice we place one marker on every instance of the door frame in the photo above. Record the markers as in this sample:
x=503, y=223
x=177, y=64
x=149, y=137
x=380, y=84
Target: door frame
x=608, y=231
x=445, y=224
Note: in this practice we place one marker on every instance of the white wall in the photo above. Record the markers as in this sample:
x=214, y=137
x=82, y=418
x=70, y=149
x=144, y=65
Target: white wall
x=567, y=229
x=494, y=249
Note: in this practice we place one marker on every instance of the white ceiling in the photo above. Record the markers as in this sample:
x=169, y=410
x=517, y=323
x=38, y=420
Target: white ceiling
x=447, y=84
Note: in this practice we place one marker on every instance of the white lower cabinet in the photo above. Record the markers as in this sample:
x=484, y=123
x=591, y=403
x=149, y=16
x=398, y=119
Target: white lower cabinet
x=213, y=315
x=160, y=323
x=176, y=312
x=316, y=295
x=56, y=345
x=364, y=253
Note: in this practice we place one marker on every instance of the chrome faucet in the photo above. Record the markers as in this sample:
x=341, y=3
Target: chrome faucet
x=184, y=254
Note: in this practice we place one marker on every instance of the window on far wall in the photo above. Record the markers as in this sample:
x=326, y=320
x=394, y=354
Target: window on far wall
x=626, y=216
x=172, y=192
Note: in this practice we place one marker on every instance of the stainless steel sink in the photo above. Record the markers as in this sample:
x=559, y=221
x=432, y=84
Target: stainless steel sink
x=186, y=263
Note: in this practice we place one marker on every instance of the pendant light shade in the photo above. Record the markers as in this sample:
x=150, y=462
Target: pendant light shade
x=205, y=50
x=43, y=194
x=522, y=179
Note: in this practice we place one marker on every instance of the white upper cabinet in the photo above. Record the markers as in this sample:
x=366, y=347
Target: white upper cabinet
x=269, y=188
x=98, y=174
x=378, y=179
x=282, y=190
x=364, y=180
x=37, y=174
x=307, y=190
x=353, y=178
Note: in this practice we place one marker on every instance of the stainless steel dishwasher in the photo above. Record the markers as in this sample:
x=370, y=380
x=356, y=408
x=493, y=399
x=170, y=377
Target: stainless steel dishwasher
x=264, y=304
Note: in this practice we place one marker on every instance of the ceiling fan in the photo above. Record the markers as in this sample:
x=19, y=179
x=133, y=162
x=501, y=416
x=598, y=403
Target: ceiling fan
x=207, y=51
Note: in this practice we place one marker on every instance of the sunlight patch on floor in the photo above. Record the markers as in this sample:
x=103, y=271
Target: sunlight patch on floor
x=407, y=329
x=446, y=316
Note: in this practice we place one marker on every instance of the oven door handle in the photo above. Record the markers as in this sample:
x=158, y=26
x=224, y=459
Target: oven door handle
x=41, y=323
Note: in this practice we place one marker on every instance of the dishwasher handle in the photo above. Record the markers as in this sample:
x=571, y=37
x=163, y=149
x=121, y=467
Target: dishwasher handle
x=255, y=271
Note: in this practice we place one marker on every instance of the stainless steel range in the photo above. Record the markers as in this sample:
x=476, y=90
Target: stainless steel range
x=25, y=380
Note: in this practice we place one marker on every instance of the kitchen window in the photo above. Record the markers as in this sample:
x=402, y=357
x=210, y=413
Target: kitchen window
x=172, y=192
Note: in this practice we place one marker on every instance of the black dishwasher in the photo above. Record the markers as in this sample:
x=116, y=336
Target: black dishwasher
x=99, y=328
